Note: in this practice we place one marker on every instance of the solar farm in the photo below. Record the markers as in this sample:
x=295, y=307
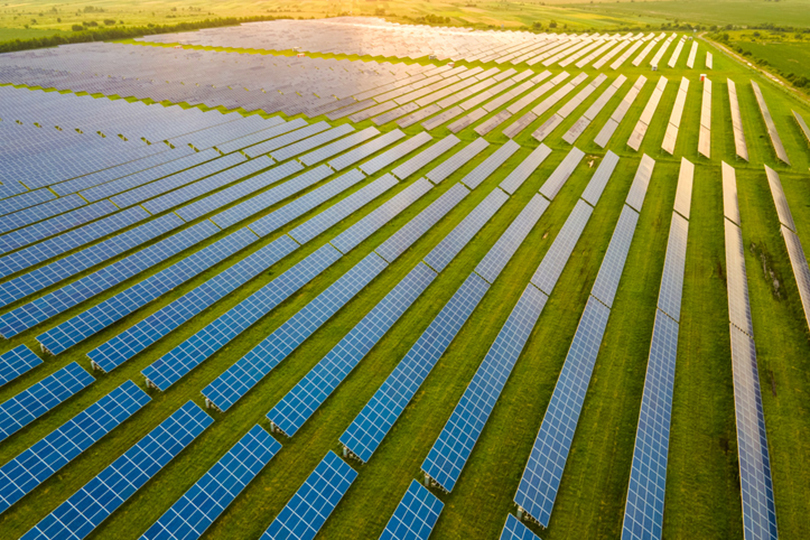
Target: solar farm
x=345, y=278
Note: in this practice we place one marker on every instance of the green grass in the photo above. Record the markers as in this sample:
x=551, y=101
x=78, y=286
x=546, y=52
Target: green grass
x=703, y=493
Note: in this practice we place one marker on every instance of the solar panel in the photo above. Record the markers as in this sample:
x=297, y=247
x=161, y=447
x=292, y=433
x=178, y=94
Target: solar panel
x=101, y=496
x=561, y=174
x=190, y=353
x=669, y=298
x=543, y=473
x=501, y=253
x=644, y=510
x=610, y=272
x=593, y=191
x=740, y=146
x=739, y=308
x=37, y=213
x=441, y=255
x=310, y=507
x=341, y=145
x=513, y=529
x=800, y=269
x=550, y=268
x=638, y=190
x=475, y=177
x=456, y=161
x=17, y=361
x=336, y=213
x=779, y=199
x=147, y=331
x=396, y=153
x=350, y=158
x=690, y=61
x=242, y=376
x=426, y=156
x=521, y=173
x=36, y=400
x=756, y=484
x=200, y=506
x=683, y=195
x=45, y=307
x=405, y=237
x=369, y=428
x=730, y=207
x=455, y=443
x=802, y=125
x=769, y=124
x=42, y=460
x=312, y=142
x=303, y=400
x=640, y=130
x=415, y=515
x=286, y=139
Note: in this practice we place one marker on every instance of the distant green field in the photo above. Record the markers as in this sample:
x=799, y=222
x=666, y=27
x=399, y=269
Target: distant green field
x=787, y=58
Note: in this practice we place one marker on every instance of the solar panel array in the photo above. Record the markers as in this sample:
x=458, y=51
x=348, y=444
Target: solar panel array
x=644, y=509
x=310, y=507
x=17, y=361
x=776, y=141
x=194, y=512
x=588, y=116
x=33, y=466
x=513, y=529
x=736, y=121
x=705, y=135
x=607, y=131
x=101, y=496
x=643, y=123
x=415, y=515
x=521, y=173
x=554, y=183
x=671, y=135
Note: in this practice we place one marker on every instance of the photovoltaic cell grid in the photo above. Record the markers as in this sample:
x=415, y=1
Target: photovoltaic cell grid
x=310, y=507
x=194, y=512
x=637, y=136
x=779, y=199
x=40, y=398
x=596, y=185
x=415, y=516
x=772, y=132
x=740, y=146
x=513, y=529
x=519, y=174
x=303, y=400
x=553, y=263
x=644, y=510
x=367, y=431
x=543, y=473
x=455, y=443
x=683, y=194
x=552, y=186
x=441, y=255
x=424, y=157
x=607, y=131
x=398, y=152
x=456, y=161
x=28, y=470
x=101, y=496
x=179, y=361
x=638, y=189
x=801, y=271
x=127, y=344
x=490, y=165
x=238, y=379
x=669, y=298
x=610, y=272
x=17, y=361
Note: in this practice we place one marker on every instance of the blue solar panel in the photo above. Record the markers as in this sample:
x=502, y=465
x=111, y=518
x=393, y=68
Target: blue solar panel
x=28, y=470
x=553, y=263
x=101, y=496
x=610, y=273
x=176, y=363
x=17, y=361
x=600, y=178
x=456, y=161
x=759, y=508
x=325, y=152
x=635, y=198
x=425, y=156
x=45, y=307
x=367, y=431
x=415, y=516
x=200, y=506
x=541, y=478
x=339, y=211
x=260, y=136
x=519, y=174
x=310, y=507
x=441, y=255
x=57, y=224
x=40, y=212
x=669, y=298
x=501, y=253
x=247, y=187
x=398, y=152
x=127, y=344
x=644, y=511
x=490, y=165
x=26, y=200
x=62, y=269
x=40, y=398
x=78, y=328
x=351, y=237
x=283, y=140
x=513, y=529
x=238, y=379
x=418, y=226
x=48, y=249
x=451, y=450
x=304, y=399
x=298, y=207
x=350, y=158
x=310, y=143
x=562, y=173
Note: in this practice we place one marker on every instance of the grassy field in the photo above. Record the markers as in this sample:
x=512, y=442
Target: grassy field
x=702, y=493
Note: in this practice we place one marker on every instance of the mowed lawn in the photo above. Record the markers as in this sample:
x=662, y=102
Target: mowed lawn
x=703, y=492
